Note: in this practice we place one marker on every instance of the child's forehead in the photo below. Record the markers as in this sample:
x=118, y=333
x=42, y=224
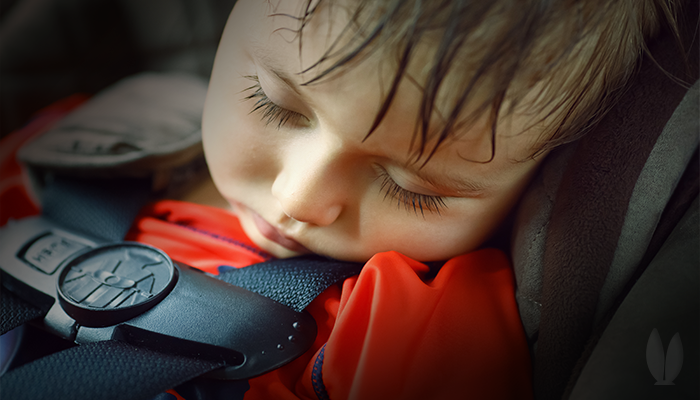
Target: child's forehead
x=328, y=37
x=278, y=47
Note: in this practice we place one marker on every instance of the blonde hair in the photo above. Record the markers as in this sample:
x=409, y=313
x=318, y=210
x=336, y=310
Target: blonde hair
x=569, y=57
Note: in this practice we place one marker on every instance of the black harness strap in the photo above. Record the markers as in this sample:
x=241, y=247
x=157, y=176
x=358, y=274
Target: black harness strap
x=108, y=370
x=15, y=311
x=115, y=370
x=103, y=208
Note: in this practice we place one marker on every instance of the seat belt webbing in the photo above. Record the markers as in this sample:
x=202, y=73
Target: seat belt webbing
x=108, y=370
x=294, y=282
x=102, y=208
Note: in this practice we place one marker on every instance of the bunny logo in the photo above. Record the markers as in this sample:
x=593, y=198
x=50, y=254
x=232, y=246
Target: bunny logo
x=655, y=358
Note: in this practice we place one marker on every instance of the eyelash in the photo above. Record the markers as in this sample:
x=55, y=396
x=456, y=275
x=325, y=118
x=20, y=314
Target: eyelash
x=270, y=111
x=410, y=199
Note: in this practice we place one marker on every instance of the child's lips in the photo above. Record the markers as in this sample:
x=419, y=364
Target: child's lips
x=273, y=234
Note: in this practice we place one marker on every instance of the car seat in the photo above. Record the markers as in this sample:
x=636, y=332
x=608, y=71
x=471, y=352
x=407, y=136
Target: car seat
x=605, y=240
x=605, y=245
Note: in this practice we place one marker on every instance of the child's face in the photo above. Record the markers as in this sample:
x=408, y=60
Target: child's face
x=302, y=179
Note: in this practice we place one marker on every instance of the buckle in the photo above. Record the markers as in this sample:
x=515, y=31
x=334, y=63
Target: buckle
x=113, y=283
x=131, y=292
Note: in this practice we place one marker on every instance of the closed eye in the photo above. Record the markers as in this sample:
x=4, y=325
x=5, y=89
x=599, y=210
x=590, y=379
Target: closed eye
x=409, y=199
x=269, y=111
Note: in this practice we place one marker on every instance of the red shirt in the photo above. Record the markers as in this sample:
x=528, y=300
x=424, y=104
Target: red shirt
x=388, y=333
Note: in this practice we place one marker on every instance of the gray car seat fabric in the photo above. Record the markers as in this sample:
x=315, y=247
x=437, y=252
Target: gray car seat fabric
x=655, y=185
x=665, y=299
x=596, y=216
x=529, y=237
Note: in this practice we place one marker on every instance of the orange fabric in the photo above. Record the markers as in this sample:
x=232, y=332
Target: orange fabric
x=175, y=394
x=201, y=236
x=389, y=333
x=400, y=337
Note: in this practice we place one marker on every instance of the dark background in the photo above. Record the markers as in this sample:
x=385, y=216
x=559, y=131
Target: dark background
x=50, y=49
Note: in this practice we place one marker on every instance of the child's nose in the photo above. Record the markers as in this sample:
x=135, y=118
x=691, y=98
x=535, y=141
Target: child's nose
x=310, y=188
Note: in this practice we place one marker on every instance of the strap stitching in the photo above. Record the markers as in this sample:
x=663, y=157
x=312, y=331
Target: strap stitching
x=317, y=376
x=227, y=240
